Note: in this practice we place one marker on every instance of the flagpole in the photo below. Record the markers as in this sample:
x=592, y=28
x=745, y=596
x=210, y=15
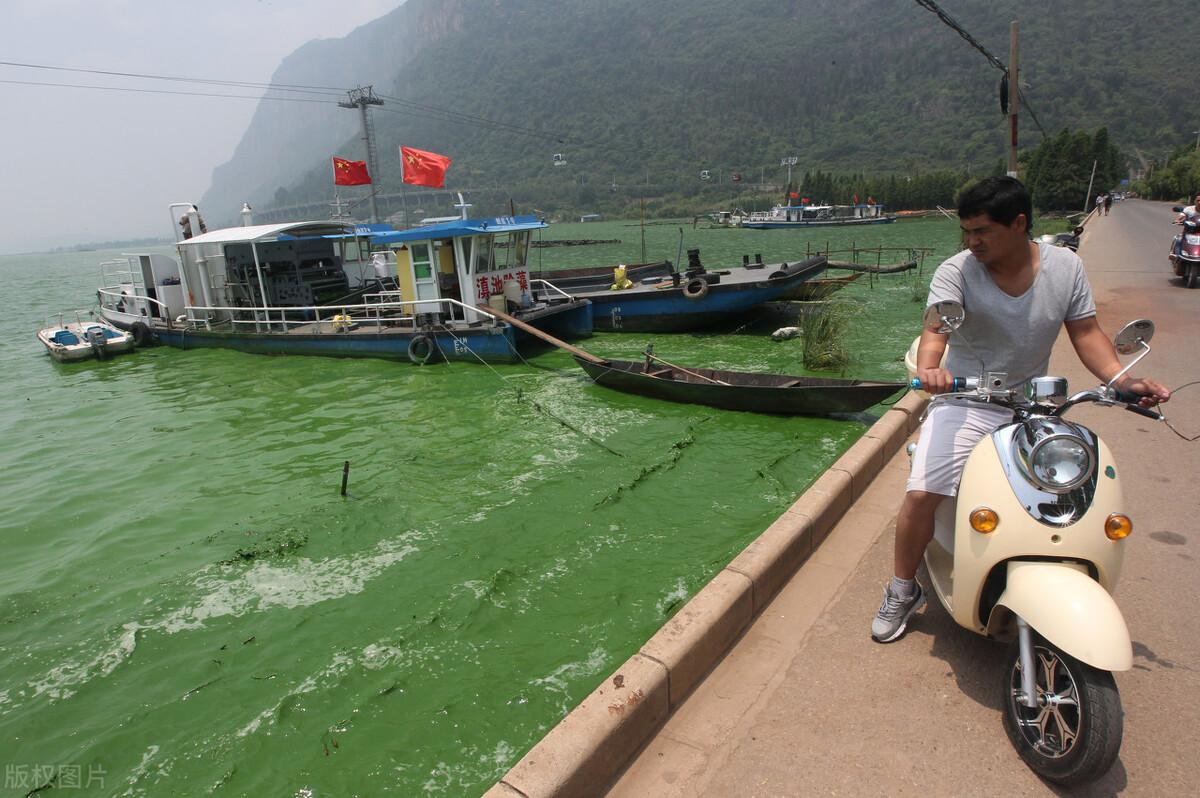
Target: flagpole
x=404, y=195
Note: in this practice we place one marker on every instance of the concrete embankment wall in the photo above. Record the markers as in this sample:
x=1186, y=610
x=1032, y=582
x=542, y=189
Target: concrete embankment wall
x=585, y=752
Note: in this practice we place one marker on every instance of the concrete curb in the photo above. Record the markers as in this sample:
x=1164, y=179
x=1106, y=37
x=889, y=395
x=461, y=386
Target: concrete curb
x=585, y=752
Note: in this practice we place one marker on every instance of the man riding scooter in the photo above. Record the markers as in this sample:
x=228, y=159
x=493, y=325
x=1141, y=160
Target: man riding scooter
x=1183, y=259
x=1018, y=295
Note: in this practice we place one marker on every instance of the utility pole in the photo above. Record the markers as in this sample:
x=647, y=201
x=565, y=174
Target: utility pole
x=789, y=162
x=1014, y=93
x=360, y=98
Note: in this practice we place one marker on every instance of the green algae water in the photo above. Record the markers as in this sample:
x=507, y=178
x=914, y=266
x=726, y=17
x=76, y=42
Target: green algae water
x=189, y=607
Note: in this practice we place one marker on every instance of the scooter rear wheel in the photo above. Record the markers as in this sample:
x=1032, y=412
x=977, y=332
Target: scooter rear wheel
x=1074, y=734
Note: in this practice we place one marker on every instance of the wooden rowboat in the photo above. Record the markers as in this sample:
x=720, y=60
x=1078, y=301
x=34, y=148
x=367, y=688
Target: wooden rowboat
x=811, y=290
x=738, y=390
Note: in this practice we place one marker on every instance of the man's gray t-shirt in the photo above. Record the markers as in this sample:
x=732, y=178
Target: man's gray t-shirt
x=1013, y=334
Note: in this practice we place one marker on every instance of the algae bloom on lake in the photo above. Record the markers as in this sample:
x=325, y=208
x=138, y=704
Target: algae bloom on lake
x=191, y=607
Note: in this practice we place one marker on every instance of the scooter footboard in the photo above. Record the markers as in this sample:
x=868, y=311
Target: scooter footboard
x=1068, y=608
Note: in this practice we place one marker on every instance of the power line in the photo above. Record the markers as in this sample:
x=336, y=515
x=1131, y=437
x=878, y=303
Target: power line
x=448, y=115
x=163, y=91
x=427, y=111
x=929, y=5
x=210, y=81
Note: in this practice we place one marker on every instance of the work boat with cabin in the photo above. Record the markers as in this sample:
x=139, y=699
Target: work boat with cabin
x=329, y=288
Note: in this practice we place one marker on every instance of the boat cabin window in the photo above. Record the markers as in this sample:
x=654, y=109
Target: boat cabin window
x=513, y=251
x=482, y=255
x=351, y=251
x=422, y=262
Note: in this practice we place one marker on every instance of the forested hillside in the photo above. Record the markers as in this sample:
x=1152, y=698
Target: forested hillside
x=639, y=96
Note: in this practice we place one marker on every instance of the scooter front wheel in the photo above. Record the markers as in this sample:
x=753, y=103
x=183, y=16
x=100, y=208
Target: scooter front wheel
x=1193, y=270
x=1074, y=733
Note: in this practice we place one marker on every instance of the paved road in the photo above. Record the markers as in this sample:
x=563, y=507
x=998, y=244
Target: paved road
x=806, y=704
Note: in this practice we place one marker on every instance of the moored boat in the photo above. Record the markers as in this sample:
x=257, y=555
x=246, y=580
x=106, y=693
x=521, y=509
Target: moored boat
x=696, y=298
x=806, y=215
x=82, y=339
x=740, y=390
x=317, y=288
x=811, y=290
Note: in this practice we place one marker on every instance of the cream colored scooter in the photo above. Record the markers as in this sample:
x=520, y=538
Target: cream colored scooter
x=1030, y=550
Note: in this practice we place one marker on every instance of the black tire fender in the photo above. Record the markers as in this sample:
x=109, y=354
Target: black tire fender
x=696, y=288
x=422, y=349
x=141, y=334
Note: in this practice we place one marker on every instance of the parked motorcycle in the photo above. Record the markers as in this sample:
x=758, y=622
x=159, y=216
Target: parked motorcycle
x=1069, y=240
x=1185, y=253
x=1030, y=550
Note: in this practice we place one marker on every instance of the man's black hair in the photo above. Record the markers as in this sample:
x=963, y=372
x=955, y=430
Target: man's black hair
x=1003, y=199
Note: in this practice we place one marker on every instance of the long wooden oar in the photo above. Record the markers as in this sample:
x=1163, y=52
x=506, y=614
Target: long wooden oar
x=545, y=336
x=685, y=371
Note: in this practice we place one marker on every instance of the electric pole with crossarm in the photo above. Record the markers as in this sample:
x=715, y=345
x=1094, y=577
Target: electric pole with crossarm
x=360, y=98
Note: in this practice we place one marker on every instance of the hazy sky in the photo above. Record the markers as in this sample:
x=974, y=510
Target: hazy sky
x=79, y=165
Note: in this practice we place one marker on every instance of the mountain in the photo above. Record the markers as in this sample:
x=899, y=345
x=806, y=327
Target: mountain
x=639, y=96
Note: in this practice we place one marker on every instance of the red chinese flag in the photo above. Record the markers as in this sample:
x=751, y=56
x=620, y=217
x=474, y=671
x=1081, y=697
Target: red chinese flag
x=793, y=195
x=350, y=173
x=421, y=168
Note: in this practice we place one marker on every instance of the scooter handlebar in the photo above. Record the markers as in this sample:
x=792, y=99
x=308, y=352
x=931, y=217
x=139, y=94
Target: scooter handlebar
x=956, y=384
x=1130, y=400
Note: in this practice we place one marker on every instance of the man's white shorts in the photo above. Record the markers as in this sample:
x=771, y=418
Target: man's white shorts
x=950, y=432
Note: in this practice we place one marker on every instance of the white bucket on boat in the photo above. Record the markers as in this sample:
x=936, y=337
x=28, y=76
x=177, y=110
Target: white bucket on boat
x=512, y=292
x=497, y=302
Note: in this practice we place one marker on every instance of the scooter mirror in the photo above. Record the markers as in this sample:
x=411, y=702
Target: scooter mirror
x=944, y=317
x=1177, y=208
x=1131, y=338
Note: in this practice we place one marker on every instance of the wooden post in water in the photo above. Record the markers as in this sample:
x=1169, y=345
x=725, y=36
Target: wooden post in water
x=345, y=475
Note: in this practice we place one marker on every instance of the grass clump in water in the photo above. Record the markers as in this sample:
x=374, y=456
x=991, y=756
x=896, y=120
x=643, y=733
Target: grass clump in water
x=824, y=334
x=271, y=544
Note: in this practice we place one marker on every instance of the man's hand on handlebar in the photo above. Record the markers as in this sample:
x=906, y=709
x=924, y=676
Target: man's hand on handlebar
x=1151, y=391
x=935, y=380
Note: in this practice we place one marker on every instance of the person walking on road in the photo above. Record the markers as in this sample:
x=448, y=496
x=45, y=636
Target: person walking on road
x=1107, y=202
x=1099, y=204
x=1018, y=295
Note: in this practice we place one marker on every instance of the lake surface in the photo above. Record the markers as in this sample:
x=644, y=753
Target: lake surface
x=188, y=607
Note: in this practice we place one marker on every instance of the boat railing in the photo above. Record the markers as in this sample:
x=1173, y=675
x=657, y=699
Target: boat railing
x=548, y=287
x=62, y=315
x=135, y=304
x=382, y=314
x=119, y=271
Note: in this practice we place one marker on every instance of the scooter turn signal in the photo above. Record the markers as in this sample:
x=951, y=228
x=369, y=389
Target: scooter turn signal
x=984, y=520
x=1118, y=526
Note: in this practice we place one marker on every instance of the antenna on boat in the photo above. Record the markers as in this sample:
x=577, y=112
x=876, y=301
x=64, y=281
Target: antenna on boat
x=462, y=204
x=337, y=204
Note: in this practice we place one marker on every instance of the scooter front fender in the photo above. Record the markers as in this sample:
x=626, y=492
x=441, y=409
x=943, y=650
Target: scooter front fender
x=1068, y=608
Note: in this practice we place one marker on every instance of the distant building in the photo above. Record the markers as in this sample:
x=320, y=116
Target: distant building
x=590, y=217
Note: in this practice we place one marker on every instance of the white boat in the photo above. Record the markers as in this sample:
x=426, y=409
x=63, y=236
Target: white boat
x=82, y=339
x=806, y=215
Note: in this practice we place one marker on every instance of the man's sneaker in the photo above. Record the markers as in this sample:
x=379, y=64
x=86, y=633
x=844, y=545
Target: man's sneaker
x=894, y=613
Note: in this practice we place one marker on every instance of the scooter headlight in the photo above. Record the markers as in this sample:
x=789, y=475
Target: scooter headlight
x=1060, y=463
x=1053, y=455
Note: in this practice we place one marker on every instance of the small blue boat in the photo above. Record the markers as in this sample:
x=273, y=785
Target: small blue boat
x=329, y=288
x=697, y=298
